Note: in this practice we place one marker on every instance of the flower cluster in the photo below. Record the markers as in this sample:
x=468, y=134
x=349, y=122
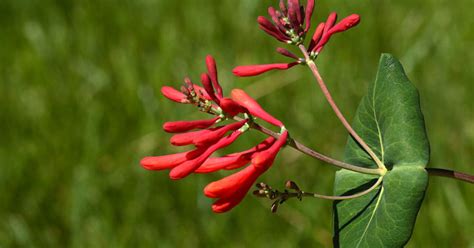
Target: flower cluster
x=208, y=137
x=288, y=27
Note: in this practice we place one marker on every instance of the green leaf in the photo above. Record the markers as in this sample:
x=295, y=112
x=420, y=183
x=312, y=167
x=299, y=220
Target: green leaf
x=390, y=121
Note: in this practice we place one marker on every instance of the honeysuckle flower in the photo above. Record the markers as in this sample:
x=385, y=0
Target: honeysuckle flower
x=253, y=107
x=207, y=137
x=231, y=190
x=290, y=23
x=254, y=70
x=324, y=31
x=287, y=27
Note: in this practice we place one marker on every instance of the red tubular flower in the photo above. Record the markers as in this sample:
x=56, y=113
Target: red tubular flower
x=212, y=70
x=219, y=163
x=169, y=161
x=264, y=159
x=213, y=136
x=209, y=138
x=183, y=126
x=174, y=95
x=253, y=107
x=234, y=160
x=316, y=36
x=330, y=29
x=206, y=82
x=186, y=168
x=183, y=139
x=202, y=92
x=254, y=70
x=232, y=189
x=286, y=53
x=230, y=107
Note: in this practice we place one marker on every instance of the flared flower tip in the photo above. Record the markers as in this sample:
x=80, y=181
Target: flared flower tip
x=254, y=70
x=174, y=95
x=231, y=189
x=253, y=107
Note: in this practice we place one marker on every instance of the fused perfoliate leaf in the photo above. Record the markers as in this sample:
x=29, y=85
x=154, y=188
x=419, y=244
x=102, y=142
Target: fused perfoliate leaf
x=390, y=121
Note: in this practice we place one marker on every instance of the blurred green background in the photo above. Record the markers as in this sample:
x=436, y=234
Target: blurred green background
x=80, y=104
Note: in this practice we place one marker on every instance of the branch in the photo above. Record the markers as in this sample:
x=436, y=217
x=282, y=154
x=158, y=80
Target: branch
x=450, y=174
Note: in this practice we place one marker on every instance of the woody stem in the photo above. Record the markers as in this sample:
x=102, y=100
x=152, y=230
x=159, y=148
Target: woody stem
x=336, y=110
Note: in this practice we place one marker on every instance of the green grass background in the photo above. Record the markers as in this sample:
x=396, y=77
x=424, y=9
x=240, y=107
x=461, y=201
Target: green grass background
x=80, y=105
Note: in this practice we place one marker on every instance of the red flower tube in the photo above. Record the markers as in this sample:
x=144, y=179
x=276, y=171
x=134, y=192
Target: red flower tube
x=254, y=70
x=190, y=166
x=169, y=161
x=253, y=107
x=183, y=126
x=213, y=136
x=212, y=70
x=264, y=159
x=183, y=139
x=174, y=95
x=234, y=160
x=230, y=107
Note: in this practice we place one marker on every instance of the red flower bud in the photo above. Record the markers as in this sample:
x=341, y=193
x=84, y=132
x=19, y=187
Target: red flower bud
x=190, y=166
x=308, y=14
x=270, y=29
x=286, y=53
x=345, y=24
x=219, y=163
x=206, y=82
x=254, y=70
x=169, y=161
x=174, y=95
x=184, y=126
x=183, y=139
x=253, y=107
x=201, y=92
x=230, y=107
x=264, y=159
x=316, y=36
x=234, y=160
x=212, y=70
x=212, y=137
x=231, y=189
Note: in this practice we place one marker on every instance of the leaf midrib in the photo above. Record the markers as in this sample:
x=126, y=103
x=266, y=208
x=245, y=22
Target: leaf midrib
x=377, y=122
x=371, y=216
